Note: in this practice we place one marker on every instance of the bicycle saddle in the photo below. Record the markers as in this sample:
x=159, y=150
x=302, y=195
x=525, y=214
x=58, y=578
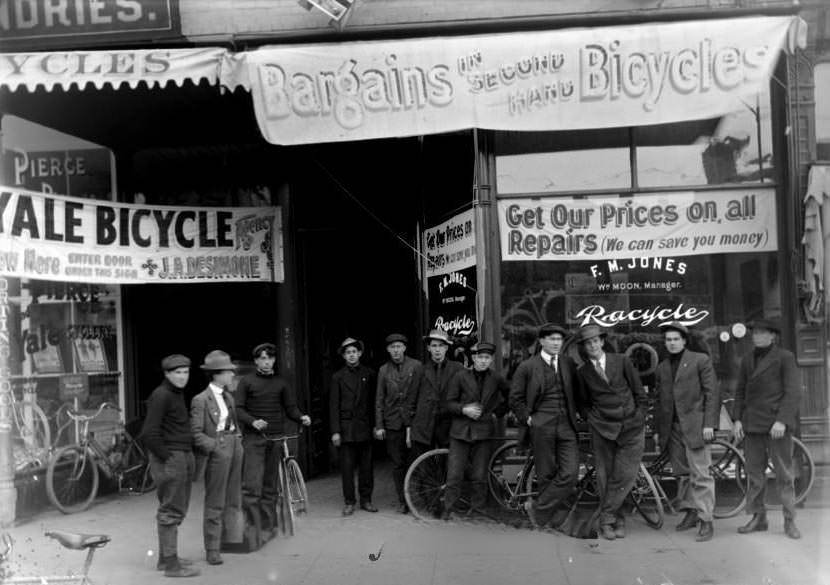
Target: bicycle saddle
x=78, y=541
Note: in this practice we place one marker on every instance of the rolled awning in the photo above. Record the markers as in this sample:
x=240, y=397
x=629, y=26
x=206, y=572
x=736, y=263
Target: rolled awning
x=131, y=67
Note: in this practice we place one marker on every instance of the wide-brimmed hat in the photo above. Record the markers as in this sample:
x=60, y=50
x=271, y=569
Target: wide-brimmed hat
x=218, y=360
x=349, y=342
x=483, y=347
x=589, y=331
x=676, y=326
x=768, y=324
x=396, y=338
x=438, y=335
x=174, y=361
x=550, y=329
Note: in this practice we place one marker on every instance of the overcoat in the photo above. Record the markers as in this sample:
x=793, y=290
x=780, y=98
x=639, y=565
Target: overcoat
x=492, y=397
x=427, y=412
x=352, y=403
x=767, y=391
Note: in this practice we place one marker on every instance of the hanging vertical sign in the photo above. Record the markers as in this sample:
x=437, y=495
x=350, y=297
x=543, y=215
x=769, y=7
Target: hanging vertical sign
x=450, y=258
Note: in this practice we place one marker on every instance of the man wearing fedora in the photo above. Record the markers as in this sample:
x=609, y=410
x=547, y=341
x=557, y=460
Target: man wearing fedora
x=396, y=380
x=542, y=398
x=428, y=420
x=766, y=408
x=687, y=412
x=218, y=441
x=352, y=418
x=615, y=402
x=476, y=398
x=166, y=434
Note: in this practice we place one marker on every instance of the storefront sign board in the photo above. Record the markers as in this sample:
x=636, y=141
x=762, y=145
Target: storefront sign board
x=51, y=237
x=550, y=80
x=646, y=226
x=82, y=172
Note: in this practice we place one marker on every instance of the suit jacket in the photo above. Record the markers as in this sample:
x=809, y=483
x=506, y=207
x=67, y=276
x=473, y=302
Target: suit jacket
x=204, y=417
x=621, y=399
x=767, y=391
x=527, y=388
x=352, y=403
x=395, y=384
x=693, y=392
x=492, y=397
x=427, y=405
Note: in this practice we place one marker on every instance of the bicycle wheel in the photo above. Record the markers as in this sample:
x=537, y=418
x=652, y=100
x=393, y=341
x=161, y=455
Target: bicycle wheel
x=297, y=491
x=646, y=498
x=135, y=476
x=425, y=483
x=728, y=469
x=34, y=434
x=284, y=508
x=72, y=479
x=804, y=470
x=506, y=475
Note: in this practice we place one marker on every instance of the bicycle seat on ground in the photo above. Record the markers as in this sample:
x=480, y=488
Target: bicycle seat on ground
x=79, y=541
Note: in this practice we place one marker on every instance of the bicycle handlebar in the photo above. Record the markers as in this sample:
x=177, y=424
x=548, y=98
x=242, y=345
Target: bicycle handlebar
x=80, y=417
x=279, y=437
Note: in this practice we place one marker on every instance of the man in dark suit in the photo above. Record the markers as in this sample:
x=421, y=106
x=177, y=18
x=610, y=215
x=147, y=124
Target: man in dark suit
x=428, y=422
x=476, y=398
x=218, y=439
x=687, y=414
x=542, y=398
x=615, y=403
x=352, y=418
x=766, y=407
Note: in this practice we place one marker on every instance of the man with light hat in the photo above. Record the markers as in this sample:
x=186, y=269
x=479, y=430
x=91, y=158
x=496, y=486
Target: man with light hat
x=686, y=413
x=396, y=380
x=218, y=440
x=476, y=398
x=766, y=410
x=166, y=434
x=428, y=420
x=616, y=404
x=352, y=418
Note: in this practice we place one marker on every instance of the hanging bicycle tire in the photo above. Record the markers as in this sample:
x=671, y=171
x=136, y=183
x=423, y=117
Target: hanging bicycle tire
x=297, y=490
x=425, y=484
x=34, y=435
x=72, y=479
x=646, y=498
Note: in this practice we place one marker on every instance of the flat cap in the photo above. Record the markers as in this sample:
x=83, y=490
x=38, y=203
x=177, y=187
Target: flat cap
x=550, y=329
x=174, y=361
x=349, y=342
x=589, y=331
x=768, y=324
x=396, y=337
x=268, y=348
x=483, y=347
x=676, y=326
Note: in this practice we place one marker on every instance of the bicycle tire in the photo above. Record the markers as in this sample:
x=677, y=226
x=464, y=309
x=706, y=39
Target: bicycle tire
x=72, y=479
x=804, y=469
x=505, y=475
x=646, y=499
x=425, y=484
x=286, y=511
x=37, y=439
x=135, y=473
x=297, y=490
x=728, y=470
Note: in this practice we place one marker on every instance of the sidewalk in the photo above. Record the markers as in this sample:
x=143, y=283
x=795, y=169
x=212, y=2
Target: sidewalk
x=330, y=549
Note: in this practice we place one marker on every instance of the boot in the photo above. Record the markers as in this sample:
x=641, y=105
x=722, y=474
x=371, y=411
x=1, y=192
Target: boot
x=214, y=558
x=175, y=569
x=758, y=523
x=163, y=562
x=790, y=529
x=706, y=532
x=619, y=528
x=689, y=521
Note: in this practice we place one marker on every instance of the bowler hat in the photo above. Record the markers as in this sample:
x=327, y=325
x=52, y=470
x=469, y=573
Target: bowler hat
x=218, y=360
x=438, y=335
x=351, y=341
x=676, y=326
x=483, y=347
x=768, y=324
x=550, y=329
x=589, y=331
x=174, y=361
x=396, y=338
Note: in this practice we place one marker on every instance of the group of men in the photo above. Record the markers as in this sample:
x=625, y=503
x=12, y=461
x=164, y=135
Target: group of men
x=230, y=436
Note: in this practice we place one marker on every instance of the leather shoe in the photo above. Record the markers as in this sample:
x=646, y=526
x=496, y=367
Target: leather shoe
x=174, y=569
x=368, y=506
x=619, y=529
x=607, y=532
x=163, y=562
x=706, y=532
x=758, y=523
x=213, y=557
x=689, y=521
x=790, y=529
x=348, y=509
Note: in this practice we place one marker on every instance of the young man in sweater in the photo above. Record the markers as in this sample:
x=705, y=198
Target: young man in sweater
x=166, y=434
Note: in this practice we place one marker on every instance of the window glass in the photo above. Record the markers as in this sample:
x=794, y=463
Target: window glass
x=822, y=84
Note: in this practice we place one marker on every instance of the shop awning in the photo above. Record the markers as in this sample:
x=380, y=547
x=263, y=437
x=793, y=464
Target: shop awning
x=529, y=81
x=131, y=67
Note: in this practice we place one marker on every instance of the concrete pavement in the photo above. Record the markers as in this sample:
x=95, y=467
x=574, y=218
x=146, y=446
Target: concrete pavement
x=330, y=549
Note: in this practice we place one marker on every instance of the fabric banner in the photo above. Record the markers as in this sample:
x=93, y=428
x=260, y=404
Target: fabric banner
x=114, y=68
x=646, y=226
x=551, y=80
x=52, y=237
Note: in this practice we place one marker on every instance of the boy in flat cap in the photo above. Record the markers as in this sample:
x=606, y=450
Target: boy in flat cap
x=687, y=412
x=352, y=418
x=616, y=405
x=476, y=398
x=395, y=382
x=217, y=437
x=766, y=407
x=166, y=433
x=542, y=398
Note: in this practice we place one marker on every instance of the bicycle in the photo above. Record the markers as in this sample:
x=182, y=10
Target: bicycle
x=72, y=476
x=293, y=494
x=32, y=441
x=70, y=540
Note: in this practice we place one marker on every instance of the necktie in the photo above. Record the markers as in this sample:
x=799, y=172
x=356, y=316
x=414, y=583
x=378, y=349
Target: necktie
x=555, y=363
x=600, y=370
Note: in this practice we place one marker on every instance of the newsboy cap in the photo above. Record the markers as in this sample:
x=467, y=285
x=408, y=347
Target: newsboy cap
x=349, y=342
x=768, y=324
x=268, y=348
x=218, y=360
x=589, y=331
x=550, y=329
x=174, y=361
x=676, y=326
x=438, y=335
x=483, y=347
x=396, y=338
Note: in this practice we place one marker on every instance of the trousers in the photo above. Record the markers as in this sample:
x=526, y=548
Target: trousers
x=695, y=486
x=357, y=455
x=758, y=449
x=173, y=479
x=617, y=463
x=223, y=490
